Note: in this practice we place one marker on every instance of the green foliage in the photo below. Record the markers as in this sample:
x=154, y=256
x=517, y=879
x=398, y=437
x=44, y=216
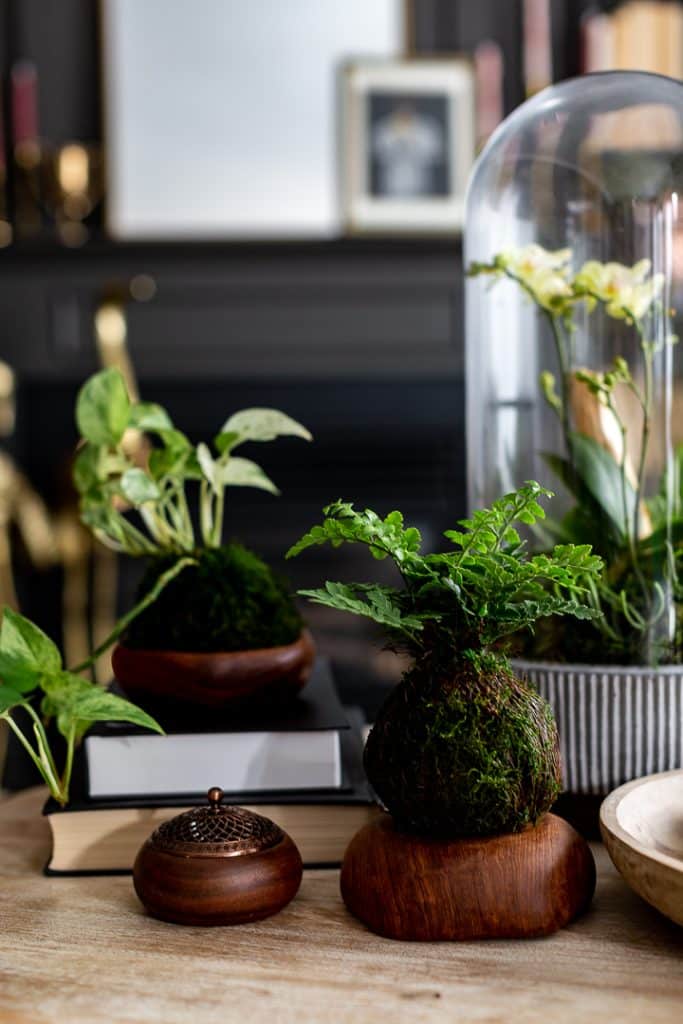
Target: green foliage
x=227, y=600
x=112, y=485
x=381, y=604
x=103, y=409
x=76, y=704
x=384, y=537
x=31, y=664
x=641, y=594
x=467, y=599
x=26, y=653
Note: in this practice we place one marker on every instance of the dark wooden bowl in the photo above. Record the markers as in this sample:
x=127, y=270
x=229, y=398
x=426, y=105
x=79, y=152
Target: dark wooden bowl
x=217, y=865
x=215, y=679
x=217, y=890
x=519, y=885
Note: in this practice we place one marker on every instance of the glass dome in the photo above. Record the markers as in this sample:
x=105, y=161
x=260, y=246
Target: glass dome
x=574, y=250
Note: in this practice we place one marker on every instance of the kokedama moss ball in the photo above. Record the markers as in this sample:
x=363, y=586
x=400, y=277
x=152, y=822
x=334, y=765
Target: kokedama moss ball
x=230, y=601
x=464, y=753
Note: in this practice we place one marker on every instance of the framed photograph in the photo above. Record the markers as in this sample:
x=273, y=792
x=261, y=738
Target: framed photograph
x=407, y=145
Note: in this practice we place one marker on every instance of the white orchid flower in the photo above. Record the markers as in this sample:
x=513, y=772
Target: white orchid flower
x=627, y=292
x=543, y=273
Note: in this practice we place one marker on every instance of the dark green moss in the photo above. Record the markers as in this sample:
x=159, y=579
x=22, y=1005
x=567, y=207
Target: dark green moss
x=231, y=601
x=468, y=752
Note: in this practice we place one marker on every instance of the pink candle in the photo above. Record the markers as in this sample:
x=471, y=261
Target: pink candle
x=24, y=102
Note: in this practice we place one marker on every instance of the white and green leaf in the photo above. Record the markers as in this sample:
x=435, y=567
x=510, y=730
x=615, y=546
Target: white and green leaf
x=103, y=408
x=26, y=653
x=260, y=424
x=240, y=472
x=138, y=488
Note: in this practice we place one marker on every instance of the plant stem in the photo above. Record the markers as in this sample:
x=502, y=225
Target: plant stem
x=126, y=620
x=217, y=532
x=41, y=737
x=187, y=518
x=205, y=512
x=68, y=764
x=645, y=435
x=51, y=781
x=630, y=537
x=564, y=388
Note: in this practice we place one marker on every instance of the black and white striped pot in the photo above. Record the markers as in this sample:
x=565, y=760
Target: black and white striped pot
x=615, y=723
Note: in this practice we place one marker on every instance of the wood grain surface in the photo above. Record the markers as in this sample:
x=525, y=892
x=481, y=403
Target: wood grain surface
x=83, y=950
x=520, y=885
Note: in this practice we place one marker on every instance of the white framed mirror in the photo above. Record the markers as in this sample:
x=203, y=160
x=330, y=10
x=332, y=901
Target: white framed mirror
x=221, y=118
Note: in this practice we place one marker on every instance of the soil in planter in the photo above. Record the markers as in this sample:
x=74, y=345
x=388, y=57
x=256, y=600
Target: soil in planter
x=464, y=752
x=230, y=601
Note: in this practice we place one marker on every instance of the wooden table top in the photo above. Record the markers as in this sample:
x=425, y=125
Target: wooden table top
x=82, y=949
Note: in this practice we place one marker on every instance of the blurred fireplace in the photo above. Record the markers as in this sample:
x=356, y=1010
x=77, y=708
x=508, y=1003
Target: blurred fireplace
x=361, y=341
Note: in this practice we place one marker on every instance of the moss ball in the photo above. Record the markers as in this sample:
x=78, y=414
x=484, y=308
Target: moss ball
x=470, y=752
x=230, y=601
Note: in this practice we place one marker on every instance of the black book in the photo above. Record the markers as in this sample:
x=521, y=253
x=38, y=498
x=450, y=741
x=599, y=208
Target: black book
x=103, y=836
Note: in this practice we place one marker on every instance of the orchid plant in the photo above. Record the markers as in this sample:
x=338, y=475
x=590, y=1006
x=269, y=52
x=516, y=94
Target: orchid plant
x=607, y=478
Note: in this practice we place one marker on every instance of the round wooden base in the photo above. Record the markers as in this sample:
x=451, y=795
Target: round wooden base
x=518, y=885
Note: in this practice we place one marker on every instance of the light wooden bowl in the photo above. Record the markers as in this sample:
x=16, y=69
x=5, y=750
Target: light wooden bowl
x=642, y=826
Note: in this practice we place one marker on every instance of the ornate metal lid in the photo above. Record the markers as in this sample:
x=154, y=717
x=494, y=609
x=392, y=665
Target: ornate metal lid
x=216, y=831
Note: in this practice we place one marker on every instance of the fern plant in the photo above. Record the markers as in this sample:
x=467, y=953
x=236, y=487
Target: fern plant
x=461, y=747
x=461, y=600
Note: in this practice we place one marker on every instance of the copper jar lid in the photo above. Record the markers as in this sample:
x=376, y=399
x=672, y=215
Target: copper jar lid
x=217, y=864
x=216, y=831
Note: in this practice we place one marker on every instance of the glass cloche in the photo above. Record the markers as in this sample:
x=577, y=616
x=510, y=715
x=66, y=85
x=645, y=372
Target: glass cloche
x=574, y=251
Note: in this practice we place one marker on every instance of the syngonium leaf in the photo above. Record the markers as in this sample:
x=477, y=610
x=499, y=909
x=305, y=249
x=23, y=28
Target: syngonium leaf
x=138, y=488
x=86, y=468
x=76, y=703
x=259, y=425
x=103, y=408
x=150, y=417
x=26, y=653
x=9, y=698
x=208, y=465
x=173, y=457
x=245, y=473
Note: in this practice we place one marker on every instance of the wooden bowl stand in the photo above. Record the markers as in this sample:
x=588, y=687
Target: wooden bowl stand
x=523, y=884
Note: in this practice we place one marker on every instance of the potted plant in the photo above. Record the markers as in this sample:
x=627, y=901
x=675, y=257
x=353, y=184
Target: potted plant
x=462, y=748
x=225, y=628
x=614, y=680
x=574, y=379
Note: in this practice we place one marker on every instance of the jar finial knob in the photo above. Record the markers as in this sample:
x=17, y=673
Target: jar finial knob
x=215, y=796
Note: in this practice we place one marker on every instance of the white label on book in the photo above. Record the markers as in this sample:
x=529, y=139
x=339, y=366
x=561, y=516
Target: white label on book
x=246, y=762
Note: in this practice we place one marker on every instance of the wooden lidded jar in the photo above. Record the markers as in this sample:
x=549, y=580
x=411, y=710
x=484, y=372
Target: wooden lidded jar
x=217, y=865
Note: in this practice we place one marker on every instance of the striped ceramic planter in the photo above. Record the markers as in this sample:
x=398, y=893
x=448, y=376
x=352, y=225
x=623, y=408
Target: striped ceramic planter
x=615, y=723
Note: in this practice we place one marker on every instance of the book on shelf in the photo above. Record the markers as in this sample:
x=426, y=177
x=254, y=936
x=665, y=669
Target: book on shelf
x=295, y=747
